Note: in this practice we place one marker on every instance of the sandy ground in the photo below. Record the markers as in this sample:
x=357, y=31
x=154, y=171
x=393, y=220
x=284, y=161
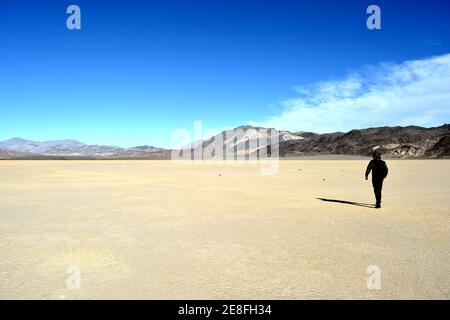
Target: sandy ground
x=159, y=230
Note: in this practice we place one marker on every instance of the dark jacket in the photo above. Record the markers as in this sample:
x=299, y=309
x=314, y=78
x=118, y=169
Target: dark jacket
x=379, y=169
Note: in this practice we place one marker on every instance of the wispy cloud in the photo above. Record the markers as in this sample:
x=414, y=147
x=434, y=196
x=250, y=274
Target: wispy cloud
x=413, y=92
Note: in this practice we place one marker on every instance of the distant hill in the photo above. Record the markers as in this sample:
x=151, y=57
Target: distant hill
x=233, y=139
x=22, y=148
x=441, y=149
x=241, y=140
x=7, y=155
x=394, y=142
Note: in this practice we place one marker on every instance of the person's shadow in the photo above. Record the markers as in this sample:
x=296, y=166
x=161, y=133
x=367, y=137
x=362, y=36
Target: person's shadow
x=359, y=204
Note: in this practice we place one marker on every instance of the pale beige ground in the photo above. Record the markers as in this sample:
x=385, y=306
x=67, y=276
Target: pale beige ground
x=159, y=230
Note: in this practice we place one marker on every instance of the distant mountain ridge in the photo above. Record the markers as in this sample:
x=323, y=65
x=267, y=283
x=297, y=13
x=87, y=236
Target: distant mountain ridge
x=392, y=142
x=241, y=138
x=68, y=148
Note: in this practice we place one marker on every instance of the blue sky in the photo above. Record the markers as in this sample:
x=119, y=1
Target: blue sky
x=138, y=70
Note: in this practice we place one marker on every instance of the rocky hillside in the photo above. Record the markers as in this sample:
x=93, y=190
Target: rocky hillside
x=392, y=142
x=441, y=149
x=243, y=140
x=395, y=142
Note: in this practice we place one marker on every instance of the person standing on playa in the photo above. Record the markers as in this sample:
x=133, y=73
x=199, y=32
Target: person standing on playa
x=379, y=173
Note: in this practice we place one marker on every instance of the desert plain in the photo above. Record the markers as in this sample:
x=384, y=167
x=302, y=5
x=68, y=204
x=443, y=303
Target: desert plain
x=165, y=230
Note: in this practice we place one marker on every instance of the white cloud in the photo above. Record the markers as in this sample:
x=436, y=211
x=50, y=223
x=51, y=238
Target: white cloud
x=413, y=92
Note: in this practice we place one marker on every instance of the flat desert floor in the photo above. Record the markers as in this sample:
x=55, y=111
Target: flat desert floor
x=161, y=230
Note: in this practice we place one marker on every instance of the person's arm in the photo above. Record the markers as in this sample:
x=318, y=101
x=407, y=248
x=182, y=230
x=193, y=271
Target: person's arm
x=369, y=168
x=386, y=169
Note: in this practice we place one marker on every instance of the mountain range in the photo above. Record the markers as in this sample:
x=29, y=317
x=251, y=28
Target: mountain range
x=392, y=142
x=244, y=139
x=22, y=148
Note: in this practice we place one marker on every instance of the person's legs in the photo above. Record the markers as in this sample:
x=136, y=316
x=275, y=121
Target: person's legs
x=377, y=187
